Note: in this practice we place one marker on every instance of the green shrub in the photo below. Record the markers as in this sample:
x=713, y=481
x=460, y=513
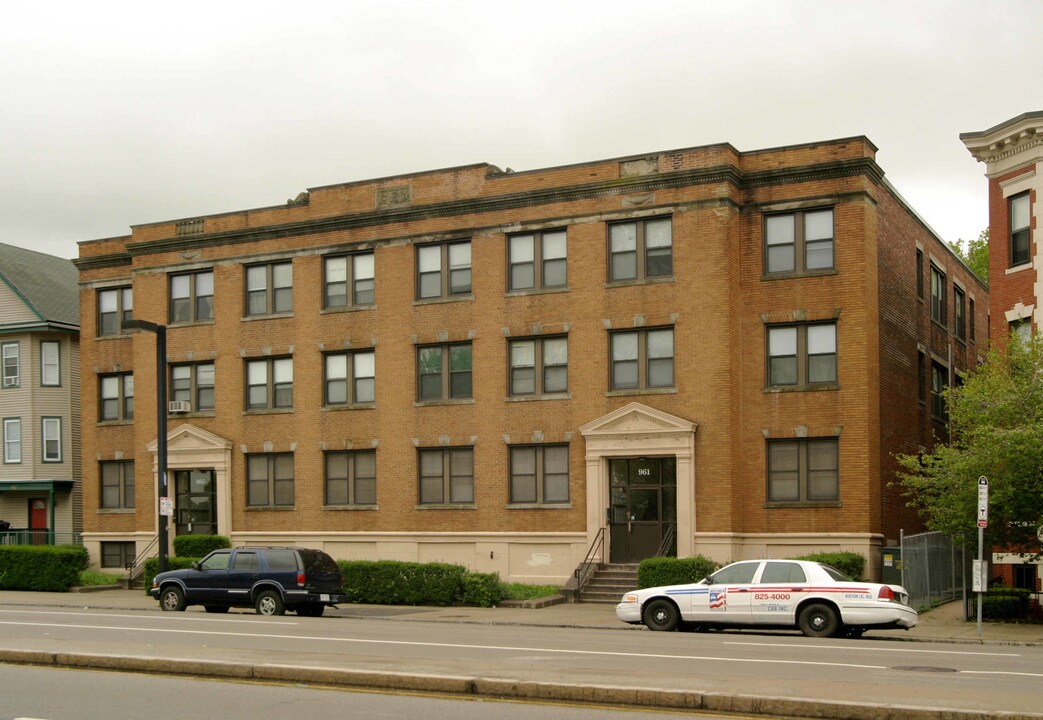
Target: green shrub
x=391, y=582
x=656, y=571
x=51, y=568
x=851, y=564
x=173, y=563
x=524, y=591
x=482, y=589
x=1003, y=603
x=197, y=546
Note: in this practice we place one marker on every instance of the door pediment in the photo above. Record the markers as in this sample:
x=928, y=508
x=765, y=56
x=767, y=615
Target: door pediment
x=191, y=438
x=636, y=421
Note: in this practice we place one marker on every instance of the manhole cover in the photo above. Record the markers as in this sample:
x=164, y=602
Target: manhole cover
x=923, y=668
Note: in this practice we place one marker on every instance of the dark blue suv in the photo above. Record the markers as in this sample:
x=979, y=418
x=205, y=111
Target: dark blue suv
x=270, y=579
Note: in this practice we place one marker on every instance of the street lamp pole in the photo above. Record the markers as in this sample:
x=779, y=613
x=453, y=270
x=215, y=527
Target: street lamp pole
x=161, y=423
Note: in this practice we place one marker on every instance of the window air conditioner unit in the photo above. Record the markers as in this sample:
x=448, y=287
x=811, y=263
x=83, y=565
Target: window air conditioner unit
x=179, y=406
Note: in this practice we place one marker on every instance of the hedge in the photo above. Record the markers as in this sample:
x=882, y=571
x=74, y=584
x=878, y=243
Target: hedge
x=1003, y=603
x=197, y=546
x=482, y=589
x=392, y=582
x=653, y=572
x=51, y=568
x=851, y=564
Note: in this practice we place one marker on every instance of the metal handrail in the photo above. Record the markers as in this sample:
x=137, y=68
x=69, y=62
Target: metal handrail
x=668, y=541
x=586, y=567
x=137, y=568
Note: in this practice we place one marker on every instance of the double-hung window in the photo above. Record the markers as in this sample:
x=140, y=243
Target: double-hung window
x=269, y=288
x=269, y=480
x=351, y=478
x=115, y=307
x=642, y=359
x=348, y=281
x=537, y=260
x=1020, y=231
x=919, y=273
x=539, y=366
x=116, y=397
x=9, y=354
x=939, y=304
x=939, y=382
x=640, y=249
x=50, y=363
x=804, y=470
x=444, y=372
x=12, y=440
x=269, y=383
x=798, y=242
x=193, y=384
x=51, y=431
x=1022, y=328
x=446, y=476
x=192, y=297
x=959, y=309
x=802, y=355
x=539, y=474
x=117, y=484
x=443, y=270
x=349, y=378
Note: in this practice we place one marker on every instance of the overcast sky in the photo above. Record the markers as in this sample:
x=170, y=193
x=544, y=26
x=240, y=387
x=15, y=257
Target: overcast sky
x=117, y=114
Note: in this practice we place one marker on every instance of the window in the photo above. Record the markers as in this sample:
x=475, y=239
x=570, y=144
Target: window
x=116, y=397
x=642, y=359
x=193, y=384
x=115, y=307
x=971, y=318
x=921, y=378
x=539, y=474
x=117, y=484
x=269, y=480
x=959, y=311
x=52, y=439
x=269, y=289
x=192, y=297
x=447, y=476
x=245, y=562
x=537, y=260
x=444, y=372
x=802, y=355
x=9, y=353
x=640, y=249
x=919, y=273
x=798, y=242
x=12, y=440
x=443, y=270
x=539, y=366
x=348, y=281
x=775, y=573
x=805, y=470
x=939, y=381
x=351, y=478
x=1022, y=328
x=1019, y=229
x=269, y=384
x=349, y=378
x=50, y=363
x=118, y=554
x=939, y=309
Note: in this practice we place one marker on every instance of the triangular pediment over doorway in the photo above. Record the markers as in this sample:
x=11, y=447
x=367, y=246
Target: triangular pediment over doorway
x=189, y=438
x=636, y=419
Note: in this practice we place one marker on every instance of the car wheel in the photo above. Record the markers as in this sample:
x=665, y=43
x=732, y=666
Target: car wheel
x=216, y=608
x=269, y=602
x=172, y=599
x=311, y=610
x=661, y=615
x=818, y=620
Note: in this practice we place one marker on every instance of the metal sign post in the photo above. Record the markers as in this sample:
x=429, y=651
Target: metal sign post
x=983, y=522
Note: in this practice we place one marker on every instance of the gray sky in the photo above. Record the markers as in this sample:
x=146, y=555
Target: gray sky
x=115, y=114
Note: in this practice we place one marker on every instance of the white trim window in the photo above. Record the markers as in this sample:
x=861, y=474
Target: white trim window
x=12, y=441
x=50, y=363
x=51, y=430
x=9, y=353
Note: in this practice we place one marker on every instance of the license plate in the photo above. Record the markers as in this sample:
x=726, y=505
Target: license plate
x=324, y=598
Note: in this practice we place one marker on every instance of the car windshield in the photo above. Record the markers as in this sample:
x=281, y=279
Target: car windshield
x=836, y=574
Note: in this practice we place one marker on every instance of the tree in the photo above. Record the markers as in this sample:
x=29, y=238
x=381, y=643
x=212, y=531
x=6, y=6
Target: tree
x=997, y=431
x=976, y=255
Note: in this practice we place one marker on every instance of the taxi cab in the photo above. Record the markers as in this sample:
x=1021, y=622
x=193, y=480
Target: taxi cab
x=817, y=599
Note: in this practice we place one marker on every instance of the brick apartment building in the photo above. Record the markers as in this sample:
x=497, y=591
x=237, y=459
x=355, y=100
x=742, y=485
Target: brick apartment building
x=694, y=351
x=1013, y=156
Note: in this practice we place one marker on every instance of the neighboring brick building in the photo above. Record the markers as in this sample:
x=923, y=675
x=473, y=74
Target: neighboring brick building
x=704, y=350
x=1013, y=155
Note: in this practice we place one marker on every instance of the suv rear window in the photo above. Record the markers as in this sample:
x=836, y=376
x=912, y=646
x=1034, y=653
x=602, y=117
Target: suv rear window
x=318, y=561
x=282, y=560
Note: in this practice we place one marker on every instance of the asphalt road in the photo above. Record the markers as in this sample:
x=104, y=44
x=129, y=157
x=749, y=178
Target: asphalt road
x=879, y=672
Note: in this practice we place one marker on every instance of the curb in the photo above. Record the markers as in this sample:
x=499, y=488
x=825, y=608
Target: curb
x=503, y=688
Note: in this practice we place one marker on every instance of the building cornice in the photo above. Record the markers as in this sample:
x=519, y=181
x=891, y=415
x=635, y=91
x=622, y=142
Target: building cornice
x=1006, y=140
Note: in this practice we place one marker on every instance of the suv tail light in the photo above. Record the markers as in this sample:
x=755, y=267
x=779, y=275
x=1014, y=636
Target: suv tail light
x=300, y=581
x=886, y=593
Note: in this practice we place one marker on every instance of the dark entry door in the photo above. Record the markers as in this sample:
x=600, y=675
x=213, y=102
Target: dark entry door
x=643, y=507
x=196, y=502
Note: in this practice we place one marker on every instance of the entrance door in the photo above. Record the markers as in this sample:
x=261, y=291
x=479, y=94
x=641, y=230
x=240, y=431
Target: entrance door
x=38, y=521
x=643, y=507
x=196, y=502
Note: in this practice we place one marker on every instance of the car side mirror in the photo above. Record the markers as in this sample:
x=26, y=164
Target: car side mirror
x=197, y=565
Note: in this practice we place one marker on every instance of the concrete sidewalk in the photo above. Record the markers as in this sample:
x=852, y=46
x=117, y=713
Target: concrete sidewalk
x=942, y=624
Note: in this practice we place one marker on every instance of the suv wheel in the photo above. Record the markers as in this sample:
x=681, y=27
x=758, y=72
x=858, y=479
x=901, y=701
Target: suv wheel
x=269, y=602
x=172, y=599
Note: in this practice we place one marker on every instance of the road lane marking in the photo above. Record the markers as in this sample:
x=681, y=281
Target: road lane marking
x=1001, y=672
x=878, y=649
x=165, y=616
x=454, y=646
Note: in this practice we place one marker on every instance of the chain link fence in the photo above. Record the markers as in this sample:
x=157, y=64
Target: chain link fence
x=934, y=569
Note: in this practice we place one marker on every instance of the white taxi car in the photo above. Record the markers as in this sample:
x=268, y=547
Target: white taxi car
x=818, y=599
